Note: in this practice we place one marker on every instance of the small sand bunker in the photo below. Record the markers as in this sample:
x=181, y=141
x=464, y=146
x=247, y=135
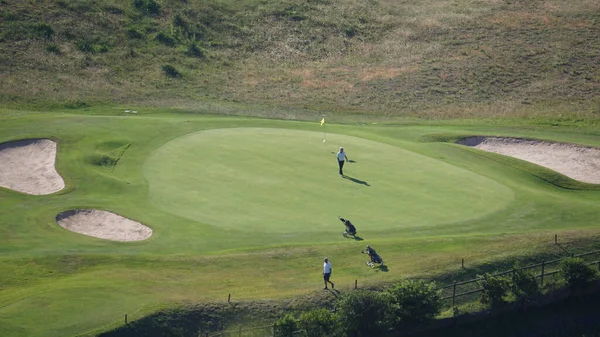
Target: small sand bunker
x=575, y=161
x=28, y=166
x=103, y=224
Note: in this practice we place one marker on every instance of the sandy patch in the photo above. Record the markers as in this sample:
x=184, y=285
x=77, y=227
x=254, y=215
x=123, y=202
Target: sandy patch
x=103, y=225
x=575, y=161
x=28, y=166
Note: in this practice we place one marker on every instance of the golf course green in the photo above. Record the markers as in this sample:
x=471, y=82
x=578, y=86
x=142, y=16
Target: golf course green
x=249, y=207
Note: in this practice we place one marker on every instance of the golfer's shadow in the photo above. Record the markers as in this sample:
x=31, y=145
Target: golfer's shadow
x=383, y=268
x=354, y=180
x=351, y=161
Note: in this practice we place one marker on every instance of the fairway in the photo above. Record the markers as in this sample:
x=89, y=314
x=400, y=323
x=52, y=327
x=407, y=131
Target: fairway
x=231, y=201
x=286, y=181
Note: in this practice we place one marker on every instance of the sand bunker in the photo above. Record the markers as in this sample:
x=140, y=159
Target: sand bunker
x=575, y=161
x=103, y=224
x=28, y=166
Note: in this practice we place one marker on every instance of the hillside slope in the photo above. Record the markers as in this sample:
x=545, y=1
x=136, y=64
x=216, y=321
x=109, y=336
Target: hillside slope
x=443, y=58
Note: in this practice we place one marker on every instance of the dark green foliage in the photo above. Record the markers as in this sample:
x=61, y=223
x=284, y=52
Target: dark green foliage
x=577, y=273
x=43, y=30
x=286, y=326
x=495, y=288
x=195, y=51
x=90, y=47
x=319, y=323
x=171, y=71
x=53, y=48
x=166, y=39
x=133, y=33
x=150, y=7
x=524, y=283
x=414, y=302
x=364, y=313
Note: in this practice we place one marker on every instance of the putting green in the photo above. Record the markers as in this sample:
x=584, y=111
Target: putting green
x=286, y=181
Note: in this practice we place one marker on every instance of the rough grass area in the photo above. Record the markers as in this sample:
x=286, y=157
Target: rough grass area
x=435, y=59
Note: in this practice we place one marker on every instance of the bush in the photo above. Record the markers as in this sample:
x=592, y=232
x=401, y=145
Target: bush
x=195, y=51
x=576, y=272
x=286, y=326
x=524, y=283
x=171, y=71
x=166, y=39
x=364, y=313
x=414, y=302
x=318, y=323
x=147, y=6
x=133, y=33
x=495, y=289
x=44, y=30
x=53, y=48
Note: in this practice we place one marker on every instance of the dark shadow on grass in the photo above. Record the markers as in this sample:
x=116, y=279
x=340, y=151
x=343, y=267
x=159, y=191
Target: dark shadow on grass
x=351, y=161
x=358, y=238
x=354, y=180
x=383, y=268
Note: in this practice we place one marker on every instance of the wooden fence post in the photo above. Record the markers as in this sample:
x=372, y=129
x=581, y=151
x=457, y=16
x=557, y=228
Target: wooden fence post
x=542, y=276
x=462, y=263
x=125, y=319
x=229, y=298
x=355, y=284
x=556, y=238
x=453, y=292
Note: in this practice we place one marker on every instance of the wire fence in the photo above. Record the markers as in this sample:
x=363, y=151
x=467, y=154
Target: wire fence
x=546, y=271
x=454, y=294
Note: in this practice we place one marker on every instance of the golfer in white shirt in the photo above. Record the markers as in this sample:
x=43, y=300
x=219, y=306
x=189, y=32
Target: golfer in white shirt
x=342, y=158
x=327, y=273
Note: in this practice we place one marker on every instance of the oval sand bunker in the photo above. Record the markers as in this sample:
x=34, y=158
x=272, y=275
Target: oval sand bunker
x=27, y=166
x=574, y=161
x=103, y=225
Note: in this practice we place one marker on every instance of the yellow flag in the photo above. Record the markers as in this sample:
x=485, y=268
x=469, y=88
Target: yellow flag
x=322, y=121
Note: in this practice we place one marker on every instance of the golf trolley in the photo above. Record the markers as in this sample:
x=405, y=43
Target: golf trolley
x=374, y=257
x=350, y=230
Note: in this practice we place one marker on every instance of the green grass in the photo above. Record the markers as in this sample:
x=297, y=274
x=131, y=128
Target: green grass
x=441, y=59
x=248, y=206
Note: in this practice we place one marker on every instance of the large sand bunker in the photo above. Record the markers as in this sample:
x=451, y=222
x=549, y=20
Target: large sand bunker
x=103, y=224
x=28, y=166
x=575, y=161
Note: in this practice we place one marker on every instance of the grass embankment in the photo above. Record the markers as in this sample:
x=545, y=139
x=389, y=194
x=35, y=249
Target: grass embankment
x=439, y=59
x=71, y=284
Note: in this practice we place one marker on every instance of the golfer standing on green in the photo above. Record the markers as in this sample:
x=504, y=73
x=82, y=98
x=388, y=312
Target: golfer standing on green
x=341, y=157
x=327, y=273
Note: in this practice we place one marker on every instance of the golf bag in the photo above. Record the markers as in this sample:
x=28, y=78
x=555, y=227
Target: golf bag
x=374, y=257
x=350, y=229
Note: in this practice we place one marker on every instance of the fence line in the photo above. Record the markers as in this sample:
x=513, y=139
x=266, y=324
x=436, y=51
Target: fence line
x=541, y=276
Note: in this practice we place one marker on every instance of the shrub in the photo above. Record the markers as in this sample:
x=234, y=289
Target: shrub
x=195, y=51
x=576, y=272
x=286, y=326
x=44, y=30
x=171, y=71
x=414, y=302
x=318, y=323
x=53, y=48
x=166, y=39
x=494, y=289
x=364, y=313
x=133, y=33
x=524, y=283
x=147, y=6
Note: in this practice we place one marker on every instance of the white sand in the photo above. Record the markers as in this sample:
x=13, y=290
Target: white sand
x=28, y=166
x=575, y=161
x=103, y=225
